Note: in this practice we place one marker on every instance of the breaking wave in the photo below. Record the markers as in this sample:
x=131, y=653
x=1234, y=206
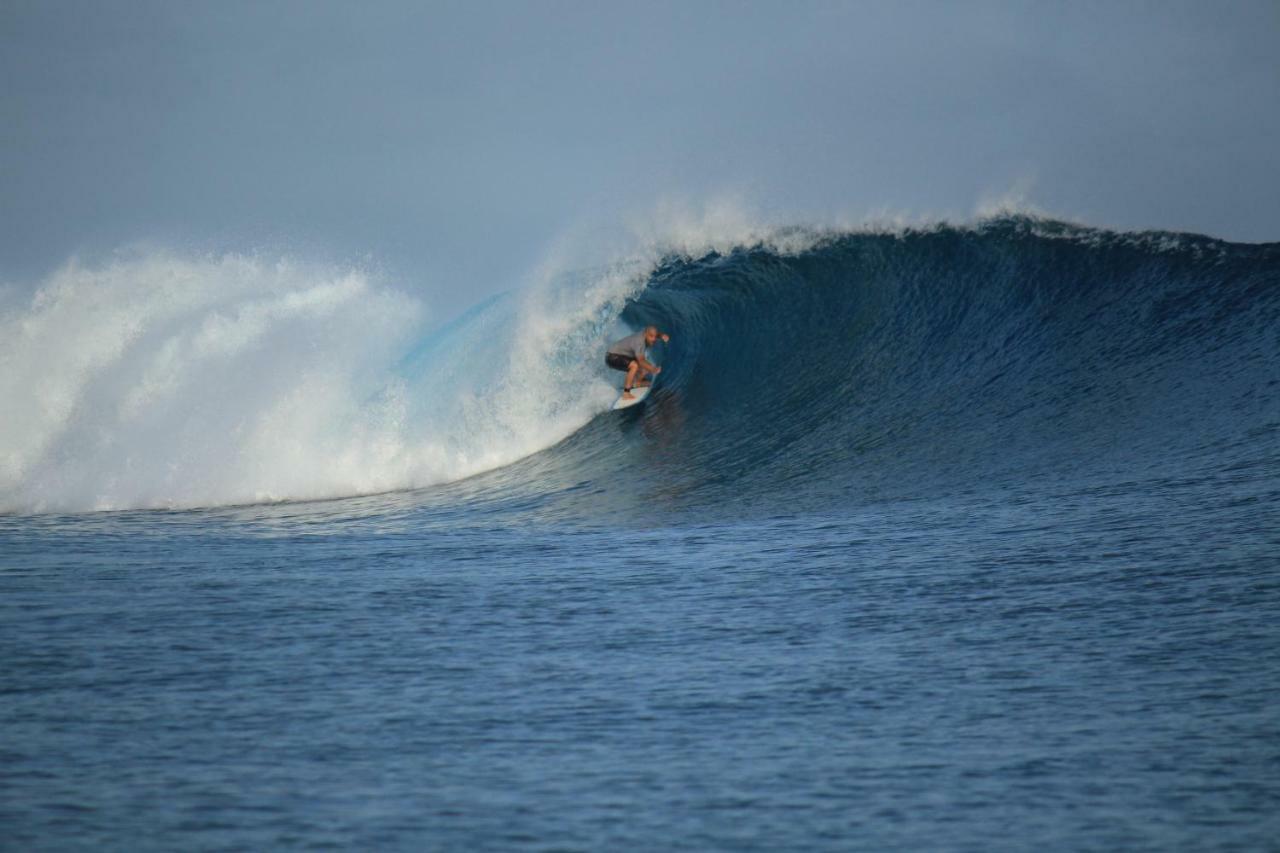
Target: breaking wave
x=822, y=366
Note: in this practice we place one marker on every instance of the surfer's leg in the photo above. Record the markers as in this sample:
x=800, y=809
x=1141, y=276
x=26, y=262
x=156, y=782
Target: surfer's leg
x=631, y=380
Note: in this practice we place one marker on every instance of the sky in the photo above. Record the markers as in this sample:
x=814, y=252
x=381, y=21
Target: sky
x=451, y=144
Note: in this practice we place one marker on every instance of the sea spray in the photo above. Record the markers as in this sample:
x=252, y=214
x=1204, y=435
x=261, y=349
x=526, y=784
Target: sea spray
x=163, y=380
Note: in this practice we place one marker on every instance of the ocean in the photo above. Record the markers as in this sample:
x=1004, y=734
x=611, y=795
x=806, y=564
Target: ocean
x=947, y=537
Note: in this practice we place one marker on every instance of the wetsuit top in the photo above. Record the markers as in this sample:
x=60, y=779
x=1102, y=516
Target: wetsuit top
x=632, y=346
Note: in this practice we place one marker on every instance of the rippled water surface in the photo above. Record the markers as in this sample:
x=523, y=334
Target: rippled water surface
x=997, y=670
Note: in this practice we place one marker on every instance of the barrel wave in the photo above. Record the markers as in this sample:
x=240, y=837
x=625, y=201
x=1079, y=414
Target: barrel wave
x=1019, y=353
x=807, y=369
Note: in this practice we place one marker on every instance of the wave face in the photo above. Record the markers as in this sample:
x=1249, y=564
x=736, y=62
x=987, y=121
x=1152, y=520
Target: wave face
x=805, y=370
x=886, y=366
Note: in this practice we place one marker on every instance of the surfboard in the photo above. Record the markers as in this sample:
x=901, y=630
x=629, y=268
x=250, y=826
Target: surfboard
x=638, y=393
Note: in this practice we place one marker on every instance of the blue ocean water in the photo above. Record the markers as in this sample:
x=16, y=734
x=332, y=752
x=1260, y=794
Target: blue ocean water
x=957, y=538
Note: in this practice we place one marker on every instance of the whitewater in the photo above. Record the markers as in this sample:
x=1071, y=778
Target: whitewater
x=948, y=535
x=157, y=379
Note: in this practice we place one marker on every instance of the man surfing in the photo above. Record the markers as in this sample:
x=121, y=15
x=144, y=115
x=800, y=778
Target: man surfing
x=628, y=355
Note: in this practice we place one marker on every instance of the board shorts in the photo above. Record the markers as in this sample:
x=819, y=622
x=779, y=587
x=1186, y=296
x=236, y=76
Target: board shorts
x=618, y=362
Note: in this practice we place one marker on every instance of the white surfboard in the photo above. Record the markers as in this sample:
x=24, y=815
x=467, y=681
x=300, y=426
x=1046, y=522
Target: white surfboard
x=638, y=395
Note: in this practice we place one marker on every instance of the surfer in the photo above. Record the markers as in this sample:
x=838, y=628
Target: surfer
x=628, y=355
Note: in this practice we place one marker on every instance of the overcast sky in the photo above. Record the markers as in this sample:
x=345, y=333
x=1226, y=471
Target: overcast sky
x=451, y=143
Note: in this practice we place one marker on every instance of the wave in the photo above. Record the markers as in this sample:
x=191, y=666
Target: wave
x=816, y=365
x=1018, y=353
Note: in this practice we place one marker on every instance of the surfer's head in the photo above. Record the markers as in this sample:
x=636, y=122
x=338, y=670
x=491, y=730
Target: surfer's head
x=650, y=335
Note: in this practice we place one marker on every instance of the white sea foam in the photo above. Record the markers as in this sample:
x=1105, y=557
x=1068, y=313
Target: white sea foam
x=168, y=380
x=176, y=381
x=162, y=380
